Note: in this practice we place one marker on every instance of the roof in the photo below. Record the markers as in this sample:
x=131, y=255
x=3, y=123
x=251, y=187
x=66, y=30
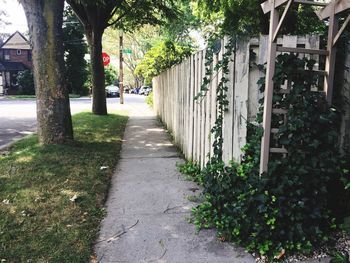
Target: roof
x=12, y=66
x=16, y=41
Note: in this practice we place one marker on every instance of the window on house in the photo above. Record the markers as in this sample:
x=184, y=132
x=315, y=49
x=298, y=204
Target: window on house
x=6, y=54
x=19, y=52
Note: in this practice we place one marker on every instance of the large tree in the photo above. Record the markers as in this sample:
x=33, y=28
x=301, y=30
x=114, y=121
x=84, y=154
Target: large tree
x=96, y=16
x=45, y=28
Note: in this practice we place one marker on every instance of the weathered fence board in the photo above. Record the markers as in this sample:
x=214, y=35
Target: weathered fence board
x=191, y=121
x=240, y=111
x=203, y=115
x=213, y=87
x=228, y=118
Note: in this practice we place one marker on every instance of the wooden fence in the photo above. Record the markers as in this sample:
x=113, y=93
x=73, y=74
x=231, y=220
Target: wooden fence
x=191, y=121
x=345, y=94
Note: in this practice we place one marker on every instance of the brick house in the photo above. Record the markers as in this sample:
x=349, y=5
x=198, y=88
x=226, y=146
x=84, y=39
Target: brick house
x=15, y=56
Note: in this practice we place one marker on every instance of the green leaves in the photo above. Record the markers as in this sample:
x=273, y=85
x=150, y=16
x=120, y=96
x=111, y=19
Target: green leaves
x=162, y=56
x=293, y=207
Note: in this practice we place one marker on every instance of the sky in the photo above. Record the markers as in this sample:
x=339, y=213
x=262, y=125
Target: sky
x=15, y=15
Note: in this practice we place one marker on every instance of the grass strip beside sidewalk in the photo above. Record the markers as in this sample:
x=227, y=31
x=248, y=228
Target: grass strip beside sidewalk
x=17, y=97
x=51, y=197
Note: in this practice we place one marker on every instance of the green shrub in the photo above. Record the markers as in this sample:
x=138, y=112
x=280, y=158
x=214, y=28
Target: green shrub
x=111, y=75
x=292, y=208
x=149, y=99
x=192, y=170
x=162, y=56
x=25, y=81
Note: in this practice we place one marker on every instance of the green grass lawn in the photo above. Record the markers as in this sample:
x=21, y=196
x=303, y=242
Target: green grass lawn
x=15, y=97
x=51, y=197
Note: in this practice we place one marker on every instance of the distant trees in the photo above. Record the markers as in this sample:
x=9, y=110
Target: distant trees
x=111, y=75
x=75, y=48
x=25, y=81
x=96, y=16
x=3, y=15
x=139, y=42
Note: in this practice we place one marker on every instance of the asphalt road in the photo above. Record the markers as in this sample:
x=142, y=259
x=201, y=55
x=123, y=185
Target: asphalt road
x=18, y=117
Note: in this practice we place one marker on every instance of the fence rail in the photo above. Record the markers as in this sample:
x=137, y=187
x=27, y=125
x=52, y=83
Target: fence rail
x=191, y=121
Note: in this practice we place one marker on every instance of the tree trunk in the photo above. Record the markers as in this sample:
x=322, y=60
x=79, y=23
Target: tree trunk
x=94, y=37
x=53, y=111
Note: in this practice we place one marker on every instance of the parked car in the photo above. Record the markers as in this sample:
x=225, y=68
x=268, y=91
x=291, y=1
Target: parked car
x=127, y=89
x=112, y=91
x=148, y=91
x=135, y=91
x=143, y=90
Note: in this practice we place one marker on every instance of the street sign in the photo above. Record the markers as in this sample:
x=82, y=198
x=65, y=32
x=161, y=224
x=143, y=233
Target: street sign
x=127, y=51
x=106, y=59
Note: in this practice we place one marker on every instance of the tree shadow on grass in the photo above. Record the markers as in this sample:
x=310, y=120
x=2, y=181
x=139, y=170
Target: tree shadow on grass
x=51, y=196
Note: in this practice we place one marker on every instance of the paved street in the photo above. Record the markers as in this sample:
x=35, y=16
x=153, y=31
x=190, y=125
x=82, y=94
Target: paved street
x=18, y=117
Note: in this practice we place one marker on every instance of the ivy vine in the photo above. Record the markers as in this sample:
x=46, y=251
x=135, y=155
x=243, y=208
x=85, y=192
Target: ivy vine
x=293, y=208
x=222, y=66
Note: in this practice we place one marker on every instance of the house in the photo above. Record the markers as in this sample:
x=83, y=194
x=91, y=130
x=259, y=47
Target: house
x=15, y=56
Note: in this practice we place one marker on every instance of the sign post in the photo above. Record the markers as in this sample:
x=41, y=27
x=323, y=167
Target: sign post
x=121, y=85
x=127, y=51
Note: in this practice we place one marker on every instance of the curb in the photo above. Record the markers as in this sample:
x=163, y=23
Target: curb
x=9, y=144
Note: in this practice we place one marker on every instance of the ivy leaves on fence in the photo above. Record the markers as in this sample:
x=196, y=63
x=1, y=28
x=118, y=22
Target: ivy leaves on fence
x=292, y=208
x=221, y=90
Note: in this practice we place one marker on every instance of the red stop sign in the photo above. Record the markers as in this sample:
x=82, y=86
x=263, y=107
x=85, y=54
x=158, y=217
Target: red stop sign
x=106, y=59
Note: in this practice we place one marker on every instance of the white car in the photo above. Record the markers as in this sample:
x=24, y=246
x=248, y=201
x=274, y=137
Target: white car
x=148, y=91
x=112, y=91
x=143, y=90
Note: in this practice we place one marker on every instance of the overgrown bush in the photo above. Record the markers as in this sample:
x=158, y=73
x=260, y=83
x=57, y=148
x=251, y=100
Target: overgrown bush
x=162, y=56
x=292, y=208
x=25, y=81
x=149, y=99
x=111, y=75
x=192, y=170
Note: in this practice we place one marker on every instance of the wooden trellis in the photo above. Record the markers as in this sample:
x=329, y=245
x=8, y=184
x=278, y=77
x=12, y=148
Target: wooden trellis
x=331, y=11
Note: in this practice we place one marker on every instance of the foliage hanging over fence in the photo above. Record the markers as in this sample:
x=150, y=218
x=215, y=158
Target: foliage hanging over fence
x=161, y=57
x=294, y=207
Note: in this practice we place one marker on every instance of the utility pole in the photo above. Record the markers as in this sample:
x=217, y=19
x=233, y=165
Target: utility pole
x=121, y=85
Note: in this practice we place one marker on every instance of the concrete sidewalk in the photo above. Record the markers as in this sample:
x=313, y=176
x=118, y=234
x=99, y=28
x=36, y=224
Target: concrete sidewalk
x=148, y=206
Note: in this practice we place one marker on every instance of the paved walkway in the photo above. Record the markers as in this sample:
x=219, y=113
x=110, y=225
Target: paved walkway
x=148, y=206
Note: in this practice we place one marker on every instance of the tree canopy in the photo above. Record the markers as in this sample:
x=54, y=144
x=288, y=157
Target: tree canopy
x=246, y=16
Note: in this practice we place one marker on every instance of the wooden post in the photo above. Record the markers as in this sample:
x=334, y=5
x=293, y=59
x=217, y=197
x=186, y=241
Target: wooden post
x=271, y=61
x=121, y=85
x=330, y=59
